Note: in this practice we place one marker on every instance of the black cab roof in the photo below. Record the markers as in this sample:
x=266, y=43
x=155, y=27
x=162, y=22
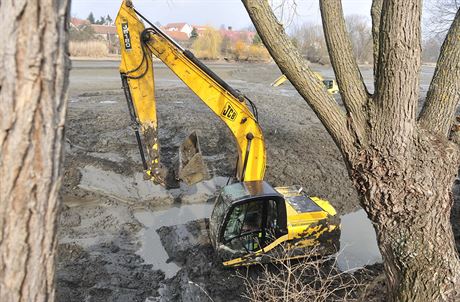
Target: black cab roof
x=240, y=191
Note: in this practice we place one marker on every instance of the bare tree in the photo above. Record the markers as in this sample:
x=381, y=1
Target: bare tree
x=33, y=93
x=361, y=37
x=311, y=43
x=402, y=165
x=441, y=14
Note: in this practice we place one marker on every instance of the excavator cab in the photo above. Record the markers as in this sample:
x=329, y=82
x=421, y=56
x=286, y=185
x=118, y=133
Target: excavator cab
x=253, y=222
x=247, y=217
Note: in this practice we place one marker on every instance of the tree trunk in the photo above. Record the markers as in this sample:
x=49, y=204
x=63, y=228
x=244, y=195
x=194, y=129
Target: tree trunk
x=409, y=202
x=33, y=94
x=402, y=165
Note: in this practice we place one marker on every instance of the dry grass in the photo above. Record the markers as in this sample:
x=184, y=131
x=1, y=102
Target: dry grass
x=311, y=279
x=258, y=53
x=92, y=48
x=254, y=52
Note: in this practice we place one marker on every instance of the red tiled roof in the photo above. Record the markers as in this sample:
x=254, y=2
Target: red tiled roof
x=104, y=29
x=77, y=22
x=236, y=35
x=200, y=27
x=178, y=25
x=177, y=35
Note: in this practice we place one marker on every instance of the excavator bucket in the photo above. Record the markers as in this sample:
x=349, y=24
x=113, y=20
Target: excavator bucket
x=192, y=168
x=279, y=81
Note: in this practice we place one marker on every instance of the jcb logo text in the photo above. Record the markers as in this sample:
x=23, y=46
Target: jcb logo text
x=229, y=112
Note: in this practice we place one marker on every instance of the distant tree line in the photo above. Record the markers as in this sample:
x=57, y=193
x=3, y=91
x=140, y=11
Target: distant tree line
x=102, y=20
x=309, y=38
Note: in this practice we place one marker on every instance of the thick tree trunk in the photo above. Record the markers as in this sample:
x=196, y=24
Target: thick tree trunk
x=409, y=201
x=33, y=93
x=403, y=168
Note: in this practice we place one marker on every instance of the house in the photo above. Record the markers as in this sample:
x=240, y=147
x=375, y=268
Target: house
x=77, y=23
x=235, y=35
x=107, y=32
x=177, y=35
x=201, y=29
x=179, y=27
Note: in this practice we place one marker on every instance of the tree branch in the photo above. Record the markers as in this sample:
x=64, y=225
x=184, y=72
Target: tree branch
x=443, y=96
x=296, y=70
x=376, y=13
x=397, y=81
x=349, y=78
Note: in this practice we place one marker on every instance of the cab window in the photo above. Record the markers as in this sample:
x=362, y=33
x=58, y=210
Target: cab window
x=218, y=215
x=250, y=227
x=245, y=218
x=328, y=84
x=272, y=220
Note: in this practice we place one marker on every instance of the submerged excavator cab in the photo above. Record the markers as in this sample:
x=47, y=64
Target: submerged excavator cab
x=253, y=222
x=247, y=217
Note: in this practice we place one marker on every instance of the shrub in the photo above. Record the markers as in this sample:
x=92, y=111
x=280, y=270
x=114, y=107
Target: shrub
x=258, y=53
x=83, y=33
x=311, y=279
x=240, y=51
x=208, y=45
x=93, y=49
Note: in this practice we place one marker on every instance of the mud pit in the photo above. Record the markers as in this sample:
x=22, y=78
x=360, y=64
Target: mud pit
x=122, y=238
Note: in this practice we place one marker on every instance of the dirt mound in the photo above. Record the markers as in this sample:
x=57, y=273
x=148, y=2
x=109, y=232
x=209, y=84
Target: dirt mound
x=105, y=272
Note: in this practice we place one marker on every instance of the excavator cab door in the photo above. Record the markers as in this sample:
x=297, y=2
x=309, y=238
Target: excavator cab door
x=245, y=230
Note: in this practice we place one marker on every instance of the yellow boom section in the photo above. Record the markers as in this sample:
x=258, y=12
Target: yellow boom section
x=225, y=102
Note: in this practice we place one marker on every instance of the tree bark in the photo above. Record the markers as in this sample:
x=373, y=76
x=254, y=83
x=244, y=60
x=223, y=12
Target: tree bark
x=376, y=13
x=403, y=169
x=352, y=88
x=410, y=207
x=33, y=96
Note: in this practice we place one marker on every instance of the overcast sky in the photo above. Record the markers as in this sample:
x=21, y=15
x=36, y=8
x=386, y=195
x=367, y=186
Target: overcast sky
x=202, y=12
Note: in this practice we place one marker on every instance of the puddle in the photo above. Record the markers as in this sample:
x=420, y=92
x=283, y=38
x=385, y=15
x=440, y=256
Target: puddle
x=136, y=188
x=108, y=102
x=358, y=243
x=201, y=191
x=152, y=250
x=124, y=188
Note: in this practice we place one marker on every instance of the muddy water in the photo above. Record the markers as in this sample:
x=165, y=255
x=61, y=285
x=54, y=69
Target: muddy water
x=152, y=250
x=358, y=244
x=122, y=187
x=358, y=241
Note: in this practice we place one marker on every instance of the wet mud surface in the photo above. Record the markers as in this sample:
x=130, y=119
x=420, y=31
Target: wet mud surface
x=122, y=238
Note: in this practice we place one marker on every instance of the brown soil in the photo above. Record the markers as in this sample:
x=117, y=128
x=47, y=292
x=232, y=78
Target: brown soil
x=99, y=235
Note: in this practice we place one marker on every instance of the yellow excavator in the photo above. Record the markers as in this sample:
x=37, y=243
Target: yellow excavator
x=331, y=85
x=252, y=222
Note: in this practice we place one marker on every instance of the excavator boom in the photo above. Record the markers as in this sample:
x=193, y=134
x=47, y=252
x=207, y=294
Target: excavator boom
x=138, y=45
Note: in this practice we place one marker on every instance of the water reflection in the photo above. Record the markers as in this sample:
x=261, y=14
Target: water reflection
x=358, y=243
